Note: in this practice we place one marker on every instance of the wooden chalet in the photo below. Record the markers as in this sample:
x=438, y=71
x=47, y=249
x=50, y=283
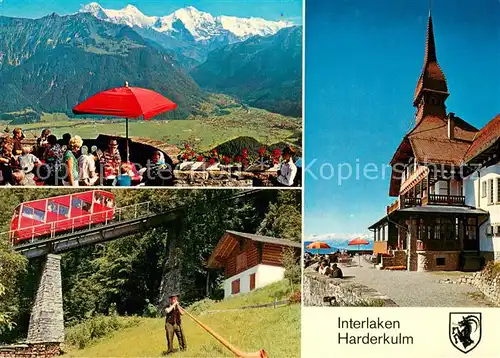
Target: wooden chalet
x=429, y=226
x=250, y=261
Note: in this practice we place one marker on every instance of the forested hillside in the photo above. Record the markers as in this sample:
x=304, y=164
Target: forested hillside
x=127, y=274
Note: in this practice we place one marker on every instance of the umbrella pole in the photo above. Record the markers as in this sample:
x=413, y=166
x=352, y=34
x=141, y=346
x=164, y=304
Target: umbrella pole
x=126, y=137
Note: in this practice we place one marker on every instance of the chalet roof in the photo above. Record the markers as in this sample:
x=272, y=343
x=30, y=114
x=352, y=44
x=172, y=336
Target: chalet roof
x=443, y=209
x=265, y=239
x=486, y=137
x=230, y=240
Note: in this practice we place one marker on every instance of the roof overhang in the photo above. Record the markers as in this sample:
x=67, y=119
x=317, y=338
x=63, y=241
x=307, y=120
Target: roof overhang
x=231, y=239
x=429, y=210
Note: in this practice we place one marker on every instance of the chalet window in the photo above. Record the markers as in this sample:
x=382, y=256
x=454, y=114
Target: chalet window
x=252, y=282
x=497, y=231
x=437, y=230
x=440, y=261
x=241, y=262
x=484, y=187
x=235, y=287
x=443, y=187
x=471, y=229
x=490, y=192
x=489, y=231
x=498, y=190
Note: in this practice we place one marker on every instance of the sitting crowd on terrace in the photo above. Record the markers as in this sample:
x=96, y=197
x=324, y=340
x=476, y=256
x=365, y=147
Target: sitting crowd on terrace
x=327, y=264
x=66, y=161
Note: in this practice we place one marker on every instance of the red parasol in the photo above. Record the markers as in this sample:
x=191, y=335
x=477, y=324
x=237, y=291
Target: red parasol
x=358, y=242
x=126, y=102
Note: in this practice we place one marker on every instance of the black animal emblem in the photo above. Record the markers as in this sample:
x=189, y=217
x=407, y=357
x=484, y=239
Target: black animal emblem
x=465, y=330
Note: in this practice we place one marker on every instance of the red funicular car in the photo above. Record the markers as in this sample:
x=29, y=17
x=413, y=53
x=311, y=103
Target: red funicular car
x=44, y=217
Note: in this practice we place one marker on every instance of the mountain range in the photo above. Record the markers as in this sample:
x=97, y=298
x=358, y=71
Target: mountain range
x=265, y=72
x=51, y=63
x=188, y=31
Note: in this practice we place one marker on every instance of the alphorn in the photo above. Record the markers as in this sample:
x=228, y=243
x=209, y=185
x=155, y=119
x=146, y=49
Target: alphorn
x=236, y=351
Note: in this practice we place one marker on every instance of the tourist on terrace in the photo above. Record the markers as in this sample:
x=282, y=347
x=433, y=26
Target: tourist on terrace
x=287, y=170
x=87, y=168
x=64, y=141
x=70, y=166
x=17, y=138
x=124, y=179
x=9, y=166
x=111, y=159
x=324, y=269
x=156, y=172
x=27, y=163
x=52, y=156
x=42, y=142
x=336, y=272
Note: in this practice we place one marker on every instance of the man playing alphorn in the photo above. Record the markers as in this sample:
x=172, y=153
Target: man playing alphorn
x=173, y=325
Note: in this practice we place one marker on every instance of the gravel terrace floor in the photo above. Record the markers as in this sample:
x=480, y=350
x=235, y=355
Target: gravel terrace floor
x=416, y=289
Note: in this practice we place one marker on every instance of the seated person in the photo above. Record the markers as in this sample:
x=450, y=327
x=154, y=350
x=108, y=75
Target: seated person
x=42, y=142
x=87, y=168
x=287, y=169
x=27, y=162
x=324, y=269
x=11, y=173
x=336, y=272
x=124, y=179
x=157, y=174
x=111, y=159
x=53, y=157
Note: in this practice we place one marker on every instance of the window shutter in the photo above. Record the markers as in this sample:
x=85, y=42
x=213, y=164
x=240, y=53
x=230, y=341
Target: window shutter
x=235, y=287
x=252, y=282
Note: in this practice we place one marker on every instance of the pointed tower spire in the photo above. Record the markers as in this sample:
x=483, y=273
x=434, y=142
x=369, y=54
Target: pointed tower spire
x=430, y=45
x=432, y=90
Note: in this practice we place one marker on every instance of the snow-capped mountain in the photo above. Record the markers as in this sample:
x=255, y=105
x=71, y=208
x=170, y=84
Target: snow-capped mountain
x=201, y=25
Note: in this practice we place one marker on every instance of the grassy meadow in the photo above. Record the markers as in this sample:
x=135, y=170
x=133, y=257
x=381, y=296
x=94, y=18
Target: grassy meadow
x=202, y=132
x=276, y=330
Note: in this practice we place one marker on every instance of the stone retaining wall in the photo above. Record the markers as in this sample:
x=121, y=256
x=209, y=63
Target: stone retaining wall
x=398, y=259
x=320, y=290
x=488, y=282
x=30, y=350
x=427, y=260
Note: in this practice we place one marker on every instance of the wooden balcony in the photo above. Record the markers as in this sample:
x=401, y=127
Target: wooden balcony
x=393, y=207
x=432, y=199
x=435, y=199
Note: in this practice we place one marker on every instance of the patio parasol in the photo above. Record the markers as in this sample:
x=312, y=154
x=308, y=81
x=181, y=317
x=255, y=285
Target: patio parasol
x=126, y=102
x=318, y=245
x=358, y=242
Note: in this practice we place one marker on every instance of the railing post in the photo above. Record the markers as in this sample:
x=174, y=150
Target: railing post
x=147, y=210
x=135, y=211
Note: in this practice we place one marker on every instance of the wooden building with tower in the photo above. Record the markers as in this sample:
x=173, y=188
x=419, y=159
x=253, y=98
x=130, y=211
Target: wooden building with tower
x=431, y=226
x=250, y=261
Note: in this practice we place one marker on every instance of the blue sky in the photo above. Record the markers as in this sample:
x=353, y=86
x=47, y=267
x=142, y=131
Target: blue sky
x=270, y=10
x=363, y=59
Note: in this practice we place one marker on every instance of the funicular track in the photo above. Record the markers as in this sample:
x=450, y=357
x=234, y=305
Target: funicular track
x=127, y=220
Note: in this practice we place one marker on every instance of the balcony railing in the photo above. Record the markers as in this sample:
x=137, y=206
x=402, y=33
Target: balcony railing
x=437, y=199
x=431, y=199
